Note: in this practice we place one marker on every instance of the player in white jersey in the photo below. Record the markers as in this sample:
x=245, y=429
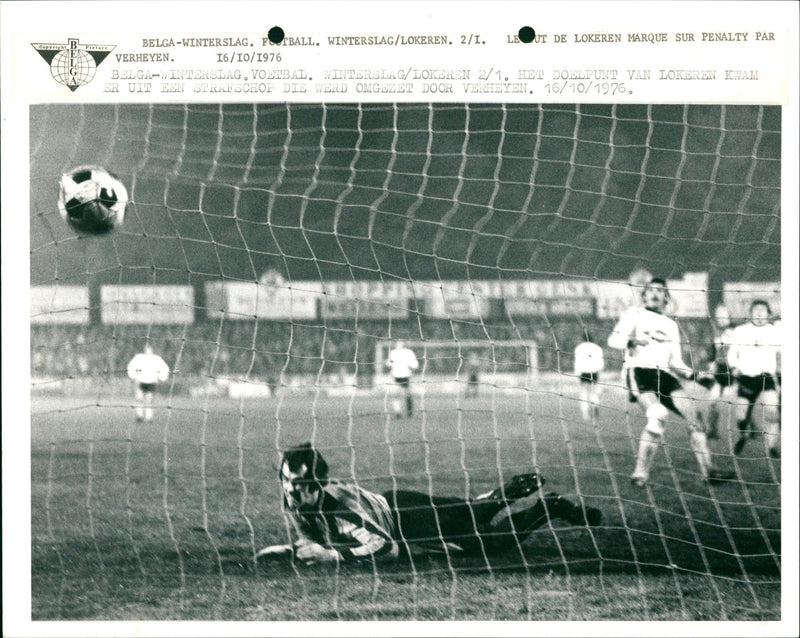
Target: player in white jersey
x=651, y=342
x=719, y=377
x=753, y=358
x=589, y=363
x=402, y=363
x=147, y=370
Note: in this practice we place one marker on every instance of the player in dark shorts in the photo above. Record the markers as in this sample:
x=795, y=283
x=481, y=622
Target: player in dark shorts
x=753, y=357
x=652, y=345
x=750, y=389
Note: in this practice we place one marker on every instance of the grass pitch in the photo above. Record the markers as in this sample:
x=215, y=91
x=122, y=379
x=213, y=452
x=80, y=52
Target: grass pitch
x=161, y=520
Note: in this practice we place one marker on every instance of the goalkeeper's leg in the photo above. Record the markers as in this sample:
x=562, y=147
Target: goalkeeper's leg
x=512, y=530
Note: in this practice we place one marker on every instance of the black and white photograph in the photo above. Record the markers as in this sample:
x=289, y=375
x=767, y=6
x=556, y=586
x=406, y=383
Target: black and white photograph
x=378, y=343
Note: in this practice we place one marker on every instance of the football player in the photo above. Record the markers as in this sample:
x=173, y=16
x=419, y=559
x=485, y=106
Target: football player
x=588, y=365
x=147, y=370
x=332, y=521
x=753, y=358
x=402, y=363
x=720, y=376
x=651, y=342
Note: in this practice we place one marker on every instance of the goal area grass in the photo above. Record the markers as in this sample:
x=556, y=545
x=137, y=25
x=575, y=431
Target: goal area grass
x=161, y=520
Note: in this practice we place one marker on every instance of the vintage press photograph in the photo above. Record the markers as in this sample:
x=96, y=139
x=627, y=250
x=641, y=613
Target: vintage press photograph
x=405, y=361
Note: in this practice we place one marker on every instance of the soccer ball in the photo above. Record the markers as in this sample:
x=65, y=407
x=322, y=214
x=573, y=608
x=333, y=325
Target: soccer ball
x=92, y=200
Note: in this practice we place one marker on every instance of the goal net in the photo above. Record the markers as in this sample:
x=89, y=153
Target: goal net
x=464, y=366
x=271, y=253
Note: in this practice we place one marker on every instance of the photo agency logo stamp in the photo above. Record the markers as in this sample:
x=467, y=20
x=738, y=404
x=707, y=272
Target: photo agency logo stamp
x=71, y=63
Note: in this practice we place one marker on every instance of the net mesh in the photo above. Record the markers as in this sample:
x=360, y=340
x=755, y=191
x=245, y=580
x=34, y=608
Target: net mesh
x=271, y=252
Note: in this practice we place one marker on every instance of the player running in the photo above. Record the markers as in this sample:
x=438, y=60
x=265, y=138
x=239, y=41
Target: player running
x=402, y=363
x=147, y=369
x=651, y=342
x=589, y=364
x=331, y=521
x=753, y=358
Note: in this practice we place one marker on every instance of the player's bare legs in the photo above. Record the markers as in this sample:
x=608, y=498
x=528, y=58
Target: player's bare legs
x=714, y=412
x=650, y=438
x=140, y=404
x=590, y=401
x=653, y=432
x=764, y=413
x=147, y=408
x=771, y=423
x=694, y=411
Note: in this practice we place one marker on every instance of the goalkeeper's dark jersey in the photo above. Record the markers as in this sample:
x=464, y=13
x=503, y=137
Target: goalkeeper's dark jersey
x=354, y=521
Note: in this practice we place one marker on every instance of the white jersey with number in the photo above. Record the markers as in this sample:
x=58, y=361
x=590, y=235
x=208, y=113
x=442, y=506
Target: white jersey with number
x=148, y=368
x=588, y=358
x=755, y=349
x=401, y=363
x=662, y=347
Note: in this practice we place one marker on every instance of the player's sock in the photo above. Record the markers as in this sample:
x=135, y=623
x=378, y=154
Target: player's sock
x=409, y=406
x=772, y=437
x=594, y=399
x=742, y=424
x=648, y=445
x=699, y=444
x=713, y=422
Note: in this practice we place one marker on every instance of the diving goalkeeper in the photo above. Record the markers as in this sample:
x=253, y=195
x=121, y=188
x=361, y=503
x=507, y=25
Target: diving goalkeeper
x=333, y=521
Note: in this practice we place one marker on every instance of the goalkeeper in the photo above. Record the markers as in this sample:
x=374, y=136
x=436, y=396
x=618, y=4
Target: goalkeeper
x=332, y=521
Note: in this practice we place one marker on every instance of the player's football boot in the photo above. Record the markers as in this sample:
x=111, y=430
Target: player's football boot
x=774, y=453
x=720, y=476
x=591, y=516
x=638, y=481
x=518, y=487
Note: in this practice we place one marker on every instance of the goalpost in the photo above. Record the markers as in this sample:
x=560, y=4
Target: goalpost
x=284, y=247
